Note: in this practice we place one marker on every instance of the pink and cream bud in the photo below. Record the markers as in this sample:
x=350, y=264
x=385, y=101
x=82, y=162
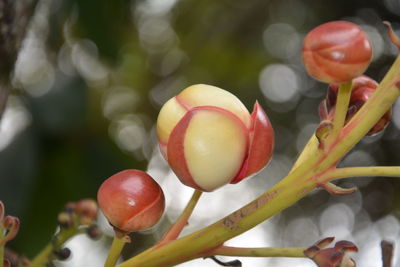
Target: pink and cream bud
x=210, y=139
x=336, y=52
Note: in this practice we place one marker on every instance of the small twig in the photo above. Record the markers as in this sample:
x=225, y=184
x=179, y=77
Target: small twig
x=234, y=263
x=387, y=253
x=182, y=221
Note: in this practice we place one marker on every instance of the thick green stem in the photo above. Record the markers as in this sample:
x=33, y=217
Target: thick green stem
x=181, y=222
x=47, y=254
x=259, y=252
x=115, y=250
x=387, y=171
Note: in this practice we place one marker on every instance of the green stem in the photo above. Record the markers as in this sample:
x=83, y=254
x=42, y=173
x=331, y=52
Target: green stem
x=341, y=108
x=46, y=254
x=116, y=249
x=342, y=104
x=259, y=252
x=388, y=171
x=1, y=255
x=310, y=148
x=181, y=222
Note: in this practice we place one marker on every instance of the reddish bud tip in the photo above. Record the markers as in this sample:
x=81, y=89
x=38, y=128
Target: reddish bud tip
x=65, y=219
x=325, y=242
x=337, y=51
x=131, y=200
x=10, y=223
x=87, y=208
x=331, y=257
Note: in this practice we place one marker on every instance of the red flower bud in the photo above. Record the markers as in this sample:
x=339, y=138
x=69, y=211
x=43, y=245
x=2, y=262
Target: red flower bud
x=87, y=210
x=131, y=200
x=210, y=139
x=336, y=51
x=362, y=89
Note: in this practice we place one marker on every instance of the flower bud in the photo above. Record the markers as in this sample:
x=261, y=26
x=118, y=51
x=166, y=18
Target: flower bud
x=11, y=225
x=86, y=209
x=210, y=139
x=362, y=89
x=336, y=256
x=131, y=200
x=336, y=51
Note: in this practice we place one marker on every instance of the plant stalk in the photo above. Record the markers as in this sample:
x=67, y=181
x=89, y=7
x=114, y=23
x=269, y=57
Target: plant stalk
x=181, y=222
x=47, y=252
x=387, y=171
x=115, y=250
x=259, y=252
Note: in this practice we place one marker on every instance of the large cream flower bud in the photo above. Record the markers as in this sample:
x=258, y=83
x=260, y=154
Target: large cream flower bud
x=210, y=139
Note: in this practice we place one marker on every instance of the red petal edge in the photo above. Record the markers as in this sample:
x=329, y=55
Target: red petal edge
x=261, y=144
x=176, y=152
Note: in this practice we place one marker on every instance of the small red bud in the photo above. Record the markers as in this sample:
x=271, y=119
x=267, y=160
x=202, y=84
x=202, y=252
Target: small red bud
x=336, y=51
x=131, y=200
x=65, y=219
x=362, y=89
x=87, y=209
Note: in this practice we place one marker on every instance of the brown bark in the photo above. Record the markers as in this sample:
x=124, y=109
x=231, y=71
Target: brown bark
x=14, y=19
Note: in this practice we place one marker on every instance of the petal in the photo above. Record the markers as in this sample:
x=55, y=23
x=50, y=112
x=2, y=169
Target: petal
x=208, y=95
x=261, y=144
x=170, y=114
x=207, y=147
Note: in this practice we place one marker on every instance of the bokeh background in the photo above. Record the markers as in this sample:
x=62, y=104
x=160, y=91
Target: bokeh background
x=92, y=74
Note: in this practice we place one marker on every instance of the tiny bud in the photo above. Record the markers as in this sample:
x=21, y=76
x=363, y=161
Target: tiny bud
x=131, y=200
x=10, y=223
x=332, y=257
x=70, y=207
x=325, y=242
x=93, y=231
x=62, y=254
x=65, y=219
x=322, y=132
x=87, y=208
